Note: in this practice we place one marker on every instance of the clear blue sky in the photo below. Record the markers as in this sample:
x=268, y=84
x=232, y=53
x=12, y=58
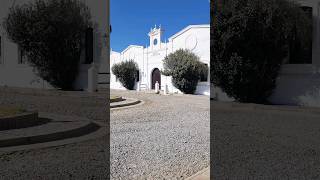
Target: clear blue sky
x=131, y=20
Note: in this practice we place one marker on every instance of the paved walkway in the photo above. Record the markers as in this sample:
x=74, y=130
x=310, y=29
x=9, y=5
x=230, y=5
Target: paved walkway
x=165, y=138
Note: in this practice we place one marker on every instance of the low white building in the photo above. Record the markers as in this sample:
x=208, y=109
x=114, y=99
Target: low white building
x=196, y=38
x=16, y=72
x=299, y=80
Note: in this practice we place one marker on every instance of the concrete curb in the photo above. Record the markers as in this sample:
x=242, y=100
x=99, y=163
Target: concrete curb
x=201, y=175
x=48, y=92
x=118, y=99
x=21, y=120
x=128, y=102
x=100, y=132
x=244, y=106
x=88, y=128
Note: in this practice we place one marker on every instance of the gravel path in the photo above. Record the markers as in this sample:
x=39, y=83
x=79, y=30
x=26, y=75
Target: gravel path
x=165, y=138
x=265, y=144
x=92, y=106
x=84, y=160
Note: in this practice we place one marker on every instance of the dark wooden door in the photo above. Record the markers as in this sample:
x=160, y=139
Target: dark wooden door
x=156, y=76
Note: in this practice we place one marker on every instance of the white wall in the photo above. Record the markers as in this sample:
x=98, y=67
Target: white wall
x=150, y=58
x=23, y=75
x=219, y=95
x=197, y=40
x=299, y=84
x=14, y=74
x=114, y=59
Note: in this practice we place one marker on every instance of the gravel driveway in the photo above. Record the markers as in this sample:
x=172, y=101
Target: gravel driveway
x=84, y=160
x=265, y=144
x=165, y=138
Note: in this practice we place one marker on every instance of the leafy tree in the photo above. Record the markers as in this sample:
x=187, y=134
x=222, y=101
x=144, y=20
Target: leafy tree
x=250, y=41
x=126, y=72
x=50, y=32
x=185, y=69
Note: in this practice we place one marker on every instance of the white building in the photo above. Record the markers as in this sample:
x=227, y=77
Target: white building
x=299, y=81
x=149, y=59
x=15, y=72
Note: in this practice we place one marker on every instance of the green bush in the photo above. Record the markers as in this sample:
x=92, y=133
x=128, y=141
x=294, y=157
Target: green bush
x=50, y=32
x=185, y=69
x=250, y=41
x=126, y=72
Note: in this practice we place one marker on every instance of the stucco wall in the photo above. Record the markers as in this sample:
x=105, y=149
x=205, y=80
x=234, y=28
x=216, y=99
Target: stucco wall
x=14, y=74
x=198, y=41
x=23, y=75
x=299, y=84
x=150, y=58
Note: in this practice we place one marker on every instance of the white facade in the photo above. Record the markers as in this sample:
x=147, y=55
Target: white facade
x=297, y=84
x=14, y=73
x=149, y=59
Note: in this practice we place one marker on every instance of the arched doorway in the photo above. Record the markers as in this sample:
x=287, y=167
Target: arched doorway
x=156, y=76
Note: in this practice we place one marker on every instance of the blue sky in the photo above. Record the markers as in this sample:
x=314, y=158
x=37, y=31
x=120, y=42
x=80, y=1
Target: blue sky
x=131, y=20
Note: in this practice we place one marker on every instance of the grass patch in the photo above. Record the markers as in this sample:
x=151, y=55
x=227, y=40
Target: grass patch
x=10, y=111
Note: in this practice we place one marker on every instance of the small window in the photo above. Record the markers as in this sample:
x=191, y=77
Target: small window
x=301, y=53
x=22, y=59
x=89, y=46
x=204, y=73
x=138, y=76
x=1, y=50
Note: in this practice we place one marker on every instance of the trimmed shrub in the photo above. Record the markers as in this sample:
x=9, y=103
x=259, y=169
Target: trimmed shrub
x=126, y=72
x=185, y=69
x=250, y=41
x=50, y=33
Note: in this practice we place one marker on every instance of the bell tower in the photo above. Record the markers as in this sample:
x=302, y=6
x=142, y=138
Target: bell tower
x=155, y=35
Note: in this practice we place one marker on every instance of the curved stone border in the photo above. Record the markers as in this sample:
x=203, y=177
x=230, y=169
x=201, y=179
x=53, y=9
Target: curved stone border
x=22, y=120
x=204, y=174
x=129, y=102
x=252, y=106
x=88, y=128
x=100, y=132
x=118, y=99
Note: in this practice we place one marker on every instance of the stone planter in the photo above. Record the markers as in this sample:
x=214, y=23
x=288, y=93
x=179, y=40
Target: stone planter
x=21, y=120
x=118, y=99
